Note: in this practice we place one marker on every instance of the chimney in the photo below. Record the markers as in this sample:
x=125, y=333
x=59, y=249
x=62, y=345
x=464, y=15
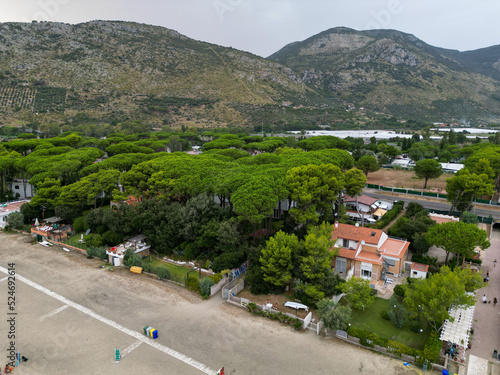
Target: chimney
x=336, y=225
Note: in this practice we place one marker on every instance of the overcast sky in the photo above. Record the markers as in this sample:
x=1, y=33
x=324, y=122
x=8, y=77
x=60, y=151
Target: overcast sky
x=263, y=27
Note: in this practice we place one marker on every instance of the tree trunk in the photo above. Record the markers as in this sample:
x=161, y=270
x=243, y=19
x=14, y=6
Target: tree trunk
x=24, y=184
x=454, y=203
x=446, y=259
x=357, y=209
x=425, y=184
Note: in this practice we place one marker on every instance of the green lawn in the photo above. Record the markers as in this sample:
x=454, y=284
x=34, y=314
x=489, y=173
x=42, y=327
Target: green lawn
x=73, y=241
x=371, y=320
x=178, y=272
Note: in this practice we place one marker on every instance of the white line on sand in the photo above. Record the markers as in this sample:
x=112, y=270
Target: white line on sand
x=42, y=318
x=181, y=357
x=5, y=278
x=132, y=346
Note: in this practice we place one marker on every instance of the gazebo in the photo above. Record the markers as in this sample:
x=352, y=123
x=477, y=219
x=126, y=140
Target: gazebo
x=458, y=331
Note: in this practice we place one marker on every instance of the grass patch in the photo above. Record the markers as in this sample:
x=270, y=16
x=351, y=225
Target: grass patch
x=371, y=320
x=178, y=272
x=73, y=241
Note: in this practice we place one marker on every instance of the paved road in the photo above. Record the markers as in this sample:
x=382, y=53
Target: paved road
x=480, y=210
x=487, y=316
x=73, y=314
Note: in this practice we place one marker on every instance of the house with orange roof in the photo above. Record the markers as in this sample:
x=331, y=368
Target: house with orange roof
x=368, y=253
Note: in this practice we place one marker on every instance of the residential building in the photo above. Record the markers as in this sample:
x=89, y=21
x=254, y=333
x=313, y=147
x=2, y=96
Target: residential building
x=7, y=208
x=22, y=189
x=368, y=253
x=366, y=208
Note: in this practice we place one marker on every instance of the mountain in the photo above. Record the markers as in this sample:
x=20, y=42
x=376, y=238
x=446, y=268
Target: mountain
x=397, y=73
x=129, y=69
x=113, y=71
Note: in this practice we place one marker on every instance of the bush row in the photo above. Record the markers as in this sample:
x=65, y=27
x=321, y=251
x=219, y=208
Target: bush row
x=283, y=318
x=390, y=215
x=430, y=353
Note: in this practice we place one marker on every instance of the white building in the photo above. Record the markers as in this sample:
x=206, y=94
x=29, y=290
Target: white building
x=17, y=187
x=7, y=208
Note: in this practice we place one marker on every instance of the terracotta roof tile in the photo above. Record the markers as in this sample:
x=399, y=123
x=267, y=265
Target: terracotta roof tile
x=364, y=199
x=394, y=248
x=420, y=267
x=347, y=253
x=368, y=257
x=351, y=232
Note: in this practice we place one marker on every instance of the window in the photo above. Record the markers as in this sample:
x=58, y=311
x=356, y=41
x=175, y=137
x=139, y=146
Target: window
x=366, y=273
x=16, y=187
x=390, y=262
x=340, y=265
x=345, y=243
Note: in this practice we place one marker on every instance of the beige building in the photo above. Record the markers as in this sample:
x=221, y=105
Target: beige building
x=368, y=253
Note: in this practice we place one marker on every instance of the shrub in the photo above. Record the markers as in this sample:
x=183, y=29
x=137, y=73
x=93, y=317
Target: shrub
x=15, y=220
x=470, y=218
x=131, y=260
x=432, y=348
x=163, y=273
x=111, y=238
x=148, y=267
x=399, y=290
x=97, y=252
x=192, y=284
x=385, y=315
x=367, y=335
x=79, y=225
x=399, y=348
x=424, y=259
x=297, y=325
x=216, y=278
x=252, y=307
x=205, y=285
x=398, y=316
x=94, y=240
x=415, y=326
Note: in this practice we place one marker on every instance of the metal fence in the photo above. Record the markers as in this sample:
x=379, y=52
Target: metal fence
x=425, y=194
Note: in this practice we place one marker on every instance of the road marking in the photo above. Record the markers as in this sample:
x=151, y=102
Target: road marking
x=42, y=318
x=5, y=278
x=130, y=348
x=181, y=357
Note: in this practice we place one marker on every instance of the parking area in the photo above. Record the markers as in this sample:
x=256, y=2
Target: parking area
x=71, y=315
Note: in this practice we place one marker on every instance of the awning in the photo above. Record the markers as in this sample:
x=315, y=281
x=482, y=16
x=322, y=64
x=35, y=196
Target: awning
x=379, y=212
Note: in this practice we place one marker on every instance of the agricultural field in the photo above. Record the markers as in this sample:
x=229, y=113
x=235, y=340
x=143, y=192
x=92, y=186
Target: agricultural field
x=21, y=97
x=37, y=99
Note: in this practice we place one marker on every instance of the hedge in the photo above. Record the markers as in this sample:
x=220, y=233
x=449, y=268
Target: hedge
x=390, y=215
x=394, y=347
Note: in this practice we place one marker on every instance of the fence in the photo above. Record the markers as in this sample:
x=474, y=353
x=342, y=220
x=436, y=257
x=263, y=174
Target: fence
x=425, y=194
x=486, y=220
x=214, y=289
x=227, y=290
